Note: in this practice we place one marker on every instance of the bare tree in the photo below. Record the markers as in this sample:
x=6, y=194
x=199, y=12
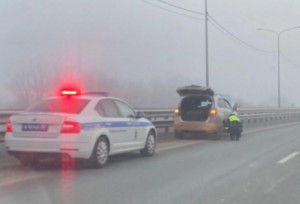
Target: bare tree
x=29, y=86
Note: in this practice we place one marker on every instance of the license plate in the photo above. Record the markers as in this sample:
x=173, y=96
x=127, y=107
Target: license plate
x=35, y=127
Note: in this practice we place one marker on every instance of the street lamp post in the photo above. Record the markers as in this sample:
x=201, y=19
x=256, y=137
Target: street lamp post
x=206, y=46
x=278, y=34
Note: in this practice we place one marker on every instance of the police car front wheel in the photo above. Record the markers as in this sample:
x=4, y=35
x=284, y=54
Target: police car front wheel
x=100, y=154
x=150, y=145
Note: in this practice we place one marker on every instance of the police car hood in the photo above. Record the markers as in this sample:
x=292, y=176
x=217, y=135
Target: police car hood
x=195, y=90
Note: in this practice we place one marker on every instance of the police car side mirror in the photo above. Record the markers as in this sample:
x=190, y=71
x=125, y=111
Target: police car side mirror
x=140, y=115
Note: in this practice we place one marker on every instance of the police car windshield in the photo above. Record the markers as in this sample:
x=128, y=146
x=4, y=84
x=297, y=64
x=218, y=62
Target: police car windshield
x=60, y=105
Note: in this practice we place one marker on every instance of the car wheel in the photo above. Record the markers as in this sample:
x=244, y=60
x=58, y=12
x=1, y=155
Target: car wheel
x=100, y=154
x=220, y=133
x=150, y=145
x=178, y=135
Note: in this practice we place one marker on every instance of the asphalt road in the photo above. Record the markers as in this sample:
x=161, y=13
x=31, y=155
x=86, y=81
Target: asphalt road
x=263, y=167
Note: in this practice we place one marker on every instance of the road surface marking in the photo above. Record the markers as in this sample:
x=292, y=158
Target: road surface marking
x=177, y=144
x=290, y=156
x=18, y=178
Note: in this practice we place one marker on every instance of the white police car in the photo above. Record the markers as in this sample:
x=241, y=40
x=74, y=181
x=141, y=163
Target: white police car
x=88, y=126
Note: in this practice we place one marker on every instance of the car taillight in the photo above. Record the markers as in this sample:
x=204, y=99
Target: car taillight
x=8, y=126
x=176, y=111
x=70, y=127
x=213, y=112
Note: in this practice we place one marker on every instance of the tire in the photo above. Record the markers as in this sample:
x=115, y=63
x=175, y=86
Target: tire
x=99, y=156
x=150, y=145
x=220, y=133
x=178, y=135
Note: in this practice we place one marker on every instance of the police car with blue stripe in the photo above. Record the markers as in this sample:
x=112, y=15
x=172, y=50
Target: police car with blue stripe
x=88, y=126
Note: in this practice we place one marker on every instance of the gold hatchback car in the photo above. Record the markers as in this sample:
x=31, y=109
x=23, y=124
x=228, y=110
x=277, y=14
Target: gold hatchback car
x=201, y=111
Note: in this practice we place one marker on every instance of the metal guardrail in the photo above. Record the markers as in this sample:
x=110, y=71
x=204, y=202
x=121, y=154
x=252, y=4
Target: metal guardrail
x=4, y=116
x=163, y=118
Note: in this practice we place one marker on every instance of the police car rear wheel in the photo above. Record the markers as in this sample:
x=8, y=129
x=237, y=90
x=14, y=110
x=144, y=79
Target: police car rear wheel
x=100, y=153
x=150, y=145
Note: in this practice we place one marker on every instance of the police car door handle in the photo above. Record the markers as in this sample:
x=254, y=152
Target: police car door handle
x=129, y=123
x=108, y=124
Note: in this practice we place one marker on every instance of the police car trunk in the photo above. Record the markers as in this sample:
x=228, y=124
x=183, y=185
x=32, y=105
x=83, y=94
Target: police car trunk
x=41, y=127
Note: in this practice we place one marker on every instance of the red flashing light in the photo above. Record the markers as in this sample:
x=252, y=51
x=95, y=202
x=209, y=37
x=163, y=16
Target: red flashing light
x=70, y=127
x=8, y=126
x=69, y=92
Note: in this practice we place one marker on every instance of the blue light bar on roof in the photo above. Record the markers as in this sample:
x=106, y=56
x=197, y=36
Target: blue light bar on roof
x=102, y=93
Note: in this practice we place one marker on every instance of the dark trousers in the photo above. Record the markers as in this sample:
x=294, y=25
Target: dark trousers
x=235, y=129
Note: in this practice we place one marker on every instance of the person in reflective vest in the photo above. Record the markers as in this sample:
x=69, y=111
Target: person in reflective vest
x=234, y=126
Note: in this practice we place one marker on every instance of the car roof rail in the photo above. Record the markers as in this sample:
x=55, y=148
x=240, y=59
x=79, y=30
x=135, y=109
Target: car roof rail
x=102, y=93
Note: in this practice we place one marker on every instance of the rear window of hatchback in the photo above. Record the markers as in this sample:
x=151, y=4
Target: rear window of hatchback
x=60, y=105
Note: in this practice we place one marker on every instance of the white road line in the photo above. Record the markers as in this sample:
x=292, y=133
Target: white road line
x=176, y=144
x=290, y=156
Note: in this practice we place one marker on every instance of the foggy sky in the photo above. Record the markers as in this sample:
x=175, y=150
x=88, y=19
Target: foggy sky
x=142, y=53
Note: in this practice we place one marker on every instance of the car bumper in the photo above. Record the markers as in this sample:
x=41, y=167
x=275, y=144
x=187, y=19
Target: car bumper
x=183, y=126
x=47, y=146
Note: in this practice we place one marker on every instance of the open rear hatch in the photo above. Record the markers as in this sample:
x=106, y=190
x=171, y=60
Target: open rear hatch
x=195, y=108
x=196, y=102
x=195, y=90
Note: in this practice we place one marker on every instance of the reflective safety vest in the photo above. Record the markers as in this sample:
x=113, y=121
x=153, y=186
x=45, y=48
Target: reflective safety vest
x=234, y=118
